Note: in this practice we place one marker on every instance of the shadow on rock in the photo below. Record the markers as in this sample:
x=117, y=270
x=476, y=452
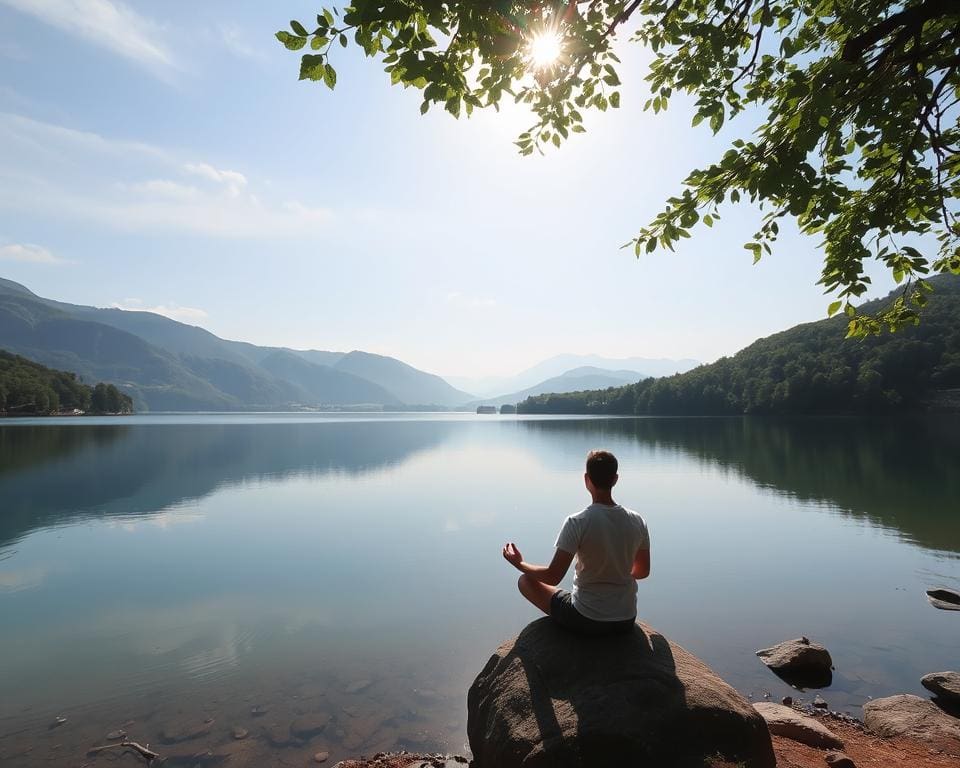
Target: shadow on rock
x=551, y=698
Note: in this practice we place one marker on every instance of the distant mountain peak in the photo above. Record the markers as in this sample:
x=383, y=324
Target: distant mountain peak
x=12, y=287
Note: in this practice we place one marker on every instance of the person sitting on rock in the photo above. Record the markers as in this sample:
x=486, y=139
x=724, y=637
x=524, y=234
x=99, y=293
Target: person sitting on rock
x=612, y=547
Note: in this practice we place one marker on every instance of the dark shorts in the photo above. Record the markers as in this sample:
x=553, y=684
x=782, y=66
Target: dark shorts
x=563, y=612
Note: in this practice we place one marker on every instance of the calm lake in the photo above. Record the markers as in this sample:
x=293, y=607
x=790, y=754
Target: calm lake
x=183, y=576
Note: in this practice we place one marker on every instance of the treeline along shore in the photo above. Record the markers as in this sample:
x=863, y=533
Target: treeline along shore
x=808, y=369
x=30, y=389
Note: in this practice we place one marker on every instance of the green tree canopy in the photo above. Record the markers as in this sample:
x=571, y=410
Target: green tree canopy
x=859, y=138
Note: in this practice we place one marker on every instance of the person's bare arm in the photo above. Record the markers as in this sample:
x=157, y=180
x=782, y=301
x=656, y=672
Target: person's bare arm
x=548, y=574
x=641, y=564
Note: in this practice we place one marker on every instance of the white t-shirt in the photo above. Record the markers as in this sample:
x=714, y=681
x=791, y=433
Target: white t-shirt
x=605, y=538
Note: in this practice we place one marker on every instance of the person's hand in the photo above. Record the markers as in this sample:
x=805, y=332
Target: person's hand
x=512, y=555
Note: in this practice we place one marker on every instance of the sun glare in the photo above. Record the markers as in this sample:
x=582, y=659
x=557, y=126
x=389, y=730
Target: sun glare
x=545, y=49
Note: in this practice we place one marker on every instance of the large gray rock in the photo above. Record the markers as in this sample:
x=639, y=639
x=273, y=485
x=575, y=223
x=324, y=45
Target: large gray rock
x=907, y=715
x=787, y=722
x=800, y=662
x=552, y=698
x=946, y=685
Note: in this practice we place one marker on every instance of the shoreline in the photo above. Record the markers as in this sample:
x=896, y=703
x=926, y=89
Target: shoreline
x=860, y=745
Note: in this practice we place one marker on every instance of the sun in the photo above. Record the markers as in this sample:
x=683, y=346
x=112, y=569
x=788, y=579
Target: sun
x=545, y=48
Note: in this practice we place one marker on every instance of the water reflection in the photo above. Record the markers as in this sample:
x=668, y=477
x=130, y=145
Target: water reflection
x=59, y=474
x=898, y=474
x=260, y=573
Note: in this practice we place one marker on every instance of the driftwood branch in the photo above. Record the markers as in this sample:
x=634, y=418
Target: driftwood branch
x=145, y=752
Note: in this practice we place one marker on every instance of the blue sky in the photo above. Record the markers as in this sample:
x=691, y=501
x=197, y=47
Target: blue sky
x=164, y=156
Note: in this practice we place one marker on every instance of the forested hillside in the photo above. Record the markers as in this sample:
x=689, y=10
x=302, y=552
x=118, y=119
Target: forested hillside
x=808, y=369
x=30, y=389
x=167, y=365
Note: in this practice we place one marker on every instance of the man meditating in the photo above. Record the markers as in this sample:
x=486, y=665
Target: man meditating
x=612, y=547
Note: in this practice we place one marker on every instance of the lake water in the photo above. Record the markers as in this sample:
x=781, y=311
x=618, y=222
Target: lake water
x=169, y=575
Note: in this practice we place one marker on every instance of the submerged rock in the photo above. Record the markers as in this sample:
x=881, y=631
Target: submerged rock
x=819, y=702
x=185, y=730
x=239, y=733
x=279, y=736
x=946, y=685
x=552, y=698
x=358, y=686
x=800, y=663
x=787, y=722
x=908, y=715
x=308, y=726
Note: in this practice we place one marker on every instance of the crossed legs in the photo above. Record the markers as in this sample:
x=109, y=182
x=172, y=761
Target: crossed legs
x=536, y=592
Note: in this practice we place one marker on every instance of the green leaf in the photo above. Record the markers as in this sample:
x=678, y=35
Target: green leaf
x=311, y=67
x=328, y=17
x=291, y=42
x=297, y=27
x=343, y=40
x=329, y=76
x=834, y=308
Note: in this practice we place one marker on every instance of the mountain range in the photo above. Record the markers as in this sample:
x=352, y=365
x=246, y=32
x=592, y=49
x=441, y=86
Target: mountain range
x=165, y=365
x=569, y=365
x=574, y=380
x=808, y=369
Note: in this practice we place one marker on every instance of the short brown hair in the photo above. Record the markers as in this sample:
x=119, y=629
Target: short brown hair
x=602, y=468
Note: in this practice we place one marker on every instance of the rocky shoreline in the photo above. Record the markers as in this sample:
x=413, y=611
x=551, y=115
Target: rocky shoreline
x=544, y=698
x=860, y=748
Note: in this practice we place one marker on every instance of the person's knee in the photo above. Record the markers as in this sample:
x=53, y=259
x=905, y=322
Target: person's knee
x=523, y=584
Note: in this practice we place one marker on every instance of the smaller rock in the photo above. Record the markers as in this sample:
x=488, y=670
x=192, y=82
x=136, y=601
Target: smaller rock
x=787, y=701
x=946, y=685
x=944, y=599
x=786, y=722
x=321, y=757
x=278, y=736
x=800, y=663
x=174, y=733
x=116, y=735
x=308, y=726
x=908, y=715
x=819, y=702
x=57, y=722
x=239, y=733
x=839, y=760
x=258, y=711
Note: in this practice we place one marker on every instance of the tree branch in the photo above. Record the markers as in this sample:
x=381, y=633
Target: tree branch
x=913, y=17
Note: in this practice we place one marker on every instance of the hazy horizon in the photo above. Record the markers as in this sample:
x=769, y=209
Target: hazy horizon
x=178, y=166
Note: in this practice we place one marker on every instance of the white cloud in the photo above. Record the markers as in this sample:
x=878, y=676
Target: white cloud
x=30, y=253
x=173, y=311
x=136, y=187
x=107, y=23
x=233, y=181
